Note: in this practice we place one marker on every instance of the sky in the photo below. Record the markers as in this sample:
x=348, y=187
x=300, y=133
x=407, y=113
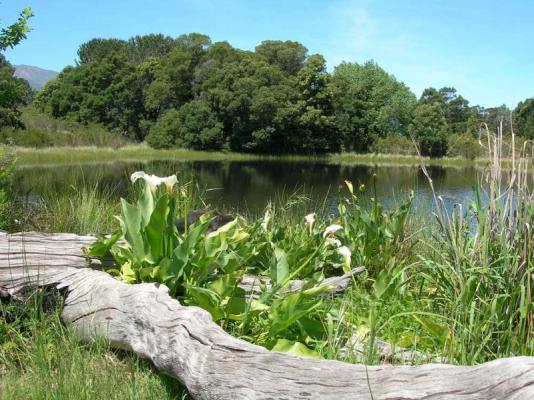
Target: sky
x=485, y=49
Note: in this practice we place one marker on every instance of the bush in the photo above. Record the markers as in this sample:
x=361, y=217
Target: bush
x=194, y=126
x=163, y=133
x=464, y=145
x=396, y=144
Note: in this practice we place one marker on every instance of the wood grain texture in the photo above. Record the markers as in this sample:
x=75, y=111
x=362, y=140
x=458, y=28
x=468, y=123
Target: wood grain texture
x=185, y=343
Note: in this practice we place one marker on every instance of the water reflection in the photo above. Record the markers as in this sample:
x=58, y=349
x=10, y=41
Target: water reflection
x=249, y=185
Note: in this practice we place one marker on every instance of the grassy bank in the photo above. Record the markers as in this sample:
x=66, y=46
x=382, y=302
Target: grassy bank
x=84, y=154
x=40, y=358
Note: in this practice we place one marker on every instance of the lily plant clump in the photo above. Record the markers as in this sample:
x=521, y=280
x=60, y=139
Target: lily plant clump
x=244, y=272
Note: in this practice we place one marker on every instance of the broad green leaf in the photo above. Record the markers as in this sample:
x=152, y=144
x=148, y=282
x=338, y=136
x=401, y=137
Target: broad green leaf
x=295, y=349
x=156, y=229
x=131, y=227
x=280, y=269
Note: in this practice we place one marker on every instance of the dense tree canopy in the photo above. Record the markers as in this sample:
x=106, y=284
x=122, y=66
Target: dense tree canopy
x=14, y=92
x=190, y=92
x=524, y=118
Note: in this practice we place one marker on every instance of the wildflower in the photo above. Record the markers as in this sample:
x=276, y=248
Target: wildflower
x=344, y=251
x=266, y=219
x=154, y=181
x=333, y=242
x=349, y=186
x=331, y=230
x=310, y=219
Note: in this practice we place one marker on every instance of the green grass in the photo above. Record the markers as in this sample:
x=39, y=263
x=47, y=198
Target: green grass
x=68, y=155
x=40, y=358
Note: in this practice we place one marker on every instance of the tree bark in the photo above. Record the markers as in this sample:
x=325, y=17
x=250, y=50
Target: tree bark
x=184, y=342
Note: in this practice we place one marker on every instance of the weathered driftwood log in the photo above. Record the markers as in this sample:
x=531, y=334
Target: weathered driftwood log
x=251, y=283
x=185, y=343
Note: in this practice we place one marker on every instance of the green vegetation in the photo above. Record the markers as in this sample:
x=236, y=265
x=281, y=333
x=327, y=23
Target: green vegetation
x=40, y=358
x=191, y=93
x=41, y=130
x=6, y=184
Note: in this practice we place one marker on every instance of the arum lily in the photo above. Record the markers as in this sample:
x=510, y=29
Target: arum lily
x=331, y=230
x=333, y=242
x=266, y=219
x=154, y=181
x=344, y=251
x=309, y=220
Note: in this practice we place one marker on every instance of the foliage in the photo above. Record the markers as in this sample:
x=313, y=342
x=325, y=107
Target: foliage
x=480, y=268
x=41, y=130
x=11, y=35
x=194, y=126
x=14, y=92
x=429, y=128
x=464, y=145
x=524, y=118
x=204, y=268
x=6, y=185
x=370, y=104
x=394, y=144
x=41, y=358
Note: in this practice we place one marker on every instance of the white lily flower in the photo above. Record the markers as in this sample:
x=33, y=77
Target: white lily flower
x=309, y=219
x=333, y=242
x=266, y=219
x=344, y=251
x=331, y=230
x=154, y=181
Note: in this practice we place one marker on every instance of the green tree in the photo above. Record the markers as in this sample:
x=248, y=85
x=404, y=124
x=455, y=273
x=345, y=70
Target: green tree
x=456, y=108
x=429, y=129
x=289, y=56
x=95, y=50
x=370, y=103
x=14, y=92
x=524, y=118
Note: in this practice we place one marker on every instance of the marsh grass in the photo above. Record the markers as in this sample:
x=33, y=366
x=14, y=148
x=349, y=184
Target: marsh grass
x=40, y=358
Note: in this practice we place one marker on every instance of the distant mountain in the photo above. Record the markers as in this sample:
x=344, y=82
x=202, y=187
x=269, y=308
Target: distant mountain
x=37, y=77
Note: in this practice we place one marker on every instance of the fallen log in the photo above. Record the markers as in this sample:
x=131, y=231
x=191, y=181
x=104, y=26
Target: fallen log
x=184, y=342
x=251, y=283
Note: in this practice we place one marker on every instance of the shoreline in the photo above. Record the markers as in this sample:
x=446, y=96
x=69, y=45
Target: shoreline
x=56, y=156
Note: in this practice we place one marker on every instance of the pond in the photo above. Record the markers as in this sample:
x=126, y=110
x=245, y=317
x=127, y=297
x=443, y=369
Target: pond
x=247, y=186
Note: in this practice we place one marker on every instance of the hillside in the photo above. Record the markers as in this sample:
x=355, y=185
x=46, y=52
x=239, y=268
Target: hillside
x=37, y=77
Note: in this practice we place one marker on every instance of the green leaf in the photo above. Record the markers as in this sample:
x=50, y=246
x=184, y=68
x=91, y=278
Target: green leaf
x=439, y=332
x=131, y=227
x=280, y=269
x=295, y=349
x=206, y=299
x=103, y=245
x=156, y=229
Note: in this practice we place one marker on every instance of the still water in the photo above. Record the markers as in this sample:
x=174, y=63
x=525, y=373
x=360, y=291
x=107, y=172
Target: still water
x=247, y=186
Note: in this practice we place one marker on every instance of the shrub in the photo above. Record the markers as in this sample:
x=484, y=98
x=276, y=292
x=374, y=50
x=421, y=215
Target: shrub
x=163, y=133
x=194, y=126
x=396, y=144
x=464, y=145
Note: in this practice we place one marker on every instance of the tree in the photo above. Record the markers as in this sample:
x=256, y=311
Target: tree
x=524, y=118
x=289, y=56
x=14, y=92
x=95, y=50
x=12, y=35
x=457, y=112
x=369, y=103
x=429, y=129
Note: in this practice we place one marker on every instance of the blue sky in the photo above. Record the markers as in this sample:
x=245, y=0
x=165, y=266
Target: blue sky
x=483, y=48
